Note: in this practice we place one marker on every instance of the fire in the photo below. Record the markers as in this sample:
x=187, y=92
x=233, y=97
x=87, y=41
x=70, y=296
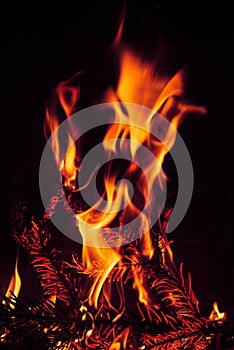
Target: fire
x=138, y=84
x=100, y=260
x=65, y=99
x=15, y=283
x=216, y=315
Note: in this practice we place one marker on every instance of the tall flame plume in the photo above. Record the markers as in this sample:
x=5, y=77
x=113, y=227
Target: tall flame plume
x=138, y=83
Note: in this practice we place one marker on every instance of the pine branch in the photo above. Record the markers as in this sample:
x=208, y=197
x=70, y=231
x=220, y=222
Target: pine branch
x=35, y=238
x=23, y=323
x=48, y=326
x=198, y=340
x=171, y=319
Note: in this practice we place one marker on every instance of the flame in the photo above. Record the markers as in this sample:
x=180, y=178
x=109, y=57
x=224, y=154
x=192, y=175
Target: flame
x=120, y=342
x=69, y=168
x=139, y=286
x=138, y=83
x=63, y=105
x=100, y=261
x=120, y=26
x=216, y=315
x=15, y=282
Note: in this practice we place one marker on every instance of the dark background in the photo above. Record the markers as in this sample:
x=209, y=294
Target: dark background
x=42, y=46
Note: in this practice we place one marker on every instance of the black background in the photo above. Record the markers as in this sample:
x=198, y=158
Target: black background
x=42, y=46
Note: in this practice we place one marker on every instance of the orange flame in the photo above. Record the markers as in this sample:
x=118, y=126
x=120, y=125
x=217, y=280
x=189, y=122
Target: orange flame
x=216, y=315
x=138, y=84
x=120, y=26
x=120, y=342
x=15, y=282
x=64, y=103
x=100, y=262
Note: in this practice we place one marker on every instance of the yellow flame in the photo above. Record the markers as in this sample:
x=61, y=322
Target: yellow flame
x=98, y=260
